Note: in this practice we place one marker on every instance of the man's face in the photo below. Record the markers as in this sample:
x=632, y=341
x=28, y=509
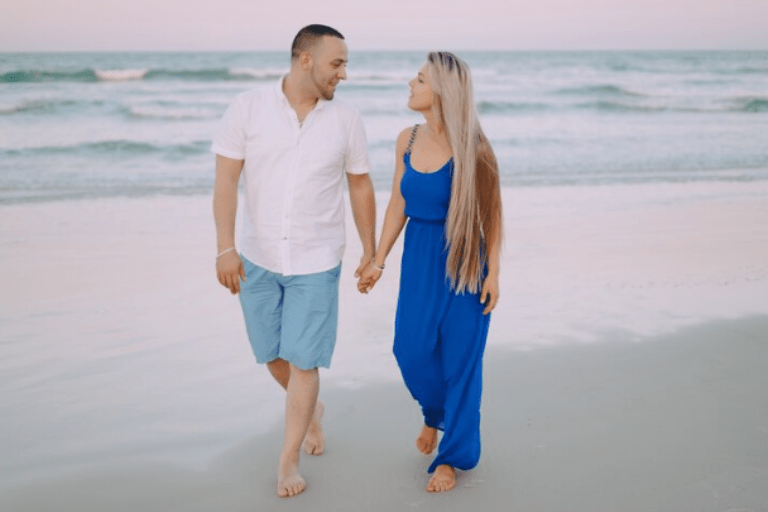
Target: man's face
x=329, y=65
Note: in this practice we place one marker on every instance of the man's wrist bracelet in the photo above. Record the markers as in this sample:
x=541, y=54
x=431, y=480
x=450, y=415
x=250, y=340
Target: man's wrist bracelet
x=225, y=251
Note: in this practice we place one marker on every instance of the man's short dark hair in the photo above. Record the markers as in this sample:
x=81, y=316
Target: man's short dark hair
x=308, y=36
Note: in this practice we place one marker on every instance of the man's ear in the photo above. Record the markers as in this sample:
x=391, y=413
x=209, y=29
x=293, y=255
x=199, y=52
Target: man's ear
x=305, y=61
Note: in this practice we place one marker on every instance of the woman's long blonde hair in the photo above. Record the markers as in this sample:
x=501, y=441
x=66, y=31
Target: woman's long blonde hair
x=474, y=213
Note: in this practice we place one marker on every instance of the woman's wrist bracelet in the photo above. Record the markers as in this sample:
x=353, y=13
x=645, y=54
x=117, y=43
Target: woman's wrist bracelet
x=225, y=251
x=380, y=269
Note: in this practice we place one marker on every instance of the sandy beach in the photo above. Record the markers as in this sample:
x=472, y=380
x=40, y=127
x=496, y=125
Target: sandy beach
x=625, y=369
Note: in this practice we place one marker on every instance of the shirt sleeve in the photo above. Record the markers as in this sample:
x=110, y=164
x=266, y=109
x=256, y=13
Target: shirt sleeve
x=230, y=136
x=357, y=160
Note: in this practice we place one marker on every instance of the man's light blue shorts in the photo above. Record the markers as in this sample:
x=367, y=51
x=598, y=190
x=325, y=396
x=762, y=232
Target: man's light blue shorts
x=291, y=317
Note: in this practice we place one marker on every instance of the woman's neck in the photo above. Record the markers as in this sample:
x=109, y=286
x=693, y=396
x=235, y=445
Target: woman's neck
x=436, y=130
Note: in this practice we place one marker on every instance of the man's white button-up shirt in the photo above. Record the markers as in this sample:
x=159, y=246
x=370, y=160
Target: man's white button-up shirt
x=293, y=216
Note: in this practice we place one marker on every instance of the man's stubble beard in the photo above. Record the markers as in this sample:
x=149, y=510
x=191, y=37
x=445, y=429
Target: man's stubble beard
x=322, y=90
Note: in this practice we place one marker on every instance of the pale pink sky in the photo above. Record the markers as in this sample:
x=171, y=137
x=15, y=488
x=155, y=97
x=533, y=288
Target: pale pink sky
x=107, y=25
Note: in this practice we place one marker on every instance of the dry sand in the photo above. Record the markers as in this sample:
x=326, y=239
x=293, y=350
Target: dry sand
x=625, y=369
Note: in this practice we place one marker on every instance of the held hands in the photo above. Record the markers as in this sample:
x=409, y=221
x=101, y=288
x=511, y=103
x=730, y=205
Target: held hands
x=229, y=270
x=367, y=276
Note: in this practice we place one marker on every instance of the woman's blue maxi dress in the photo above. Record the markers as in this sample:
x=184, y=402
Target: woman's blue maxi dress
x=439, y=334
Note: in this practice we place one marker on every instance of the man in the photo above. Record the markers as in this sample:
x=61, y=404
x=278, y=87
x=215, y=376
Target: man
x=293, y=145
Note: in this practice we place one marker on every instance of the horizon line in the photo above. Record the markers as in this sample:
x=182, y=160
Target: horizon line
x=400, y=50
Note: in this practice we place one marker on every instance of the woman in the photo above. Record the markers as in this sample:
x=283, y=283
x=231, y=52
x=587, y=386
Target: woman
x=446, y=186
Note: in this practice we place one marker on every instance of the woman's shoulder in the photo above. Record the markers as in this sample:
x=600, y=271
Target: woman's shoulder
x=405, y=134
x=404, y=137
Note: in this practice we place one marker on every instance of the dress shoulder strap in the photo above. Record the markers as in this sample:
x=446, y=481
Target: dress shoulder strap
x=410, y=141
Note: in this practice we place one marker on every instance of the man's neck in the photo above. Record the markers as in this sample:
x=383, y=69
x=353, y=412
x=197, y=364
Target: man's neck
x=300, y=99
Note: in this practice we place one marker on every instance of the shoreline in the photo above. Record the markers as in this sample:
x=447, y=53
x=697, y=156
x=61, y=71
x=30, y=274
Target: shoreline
x=383, y=186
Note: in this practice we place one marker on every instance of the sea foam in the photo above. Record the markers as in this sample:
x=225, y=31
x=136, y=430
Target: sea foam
x=120, y=75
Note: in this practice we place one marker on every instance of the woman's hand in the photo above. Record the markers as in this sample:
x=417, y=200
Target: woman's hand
x=368, y=278
x=490, y=293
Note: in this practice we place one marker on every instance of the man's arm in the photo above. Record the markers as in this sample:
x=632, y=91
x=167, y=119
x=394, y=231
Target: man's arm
x=363, y=201
x=229, y=267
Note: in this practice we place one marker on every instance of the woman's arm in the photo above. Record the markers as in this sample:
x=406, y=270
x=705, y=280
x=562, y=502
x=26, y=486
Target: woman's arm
x=490, y=292
x=394, y=220
x=492, y=215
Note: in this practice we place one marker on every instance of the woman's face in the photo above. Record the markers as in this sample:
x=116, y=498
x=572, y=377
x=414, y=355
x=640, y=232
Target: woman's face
x=422, y=96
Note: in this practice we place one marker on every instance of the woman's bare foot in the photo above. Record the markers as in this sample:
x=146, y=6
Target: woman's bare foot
x=443, y=479
x=427, y=440
x=314, y=442
x=289, y=481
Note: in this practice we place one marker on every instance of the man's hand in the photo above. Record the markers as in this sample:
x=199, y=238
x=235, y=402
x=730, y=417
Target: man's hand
x=229, y=270
x=365, y=260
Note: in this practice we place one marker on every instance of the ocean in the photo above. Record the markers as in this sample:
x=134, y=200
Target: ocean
x=92, y=125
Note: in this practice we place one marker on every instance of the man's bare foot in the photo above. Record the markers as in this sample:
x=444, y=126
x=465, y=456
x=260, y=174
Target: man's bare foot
x=443, y=479
x=314, y=442
x=427, y=440
x=289, y=481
